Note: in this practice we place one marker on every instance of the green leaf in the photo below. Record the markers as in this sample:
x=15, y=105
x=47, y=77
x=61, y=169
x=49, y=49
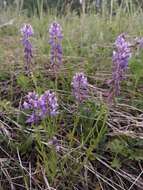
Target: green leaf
x=23, y=81
x=136, y=66
x=26, y=145
x=116, y=163
x=121, y=147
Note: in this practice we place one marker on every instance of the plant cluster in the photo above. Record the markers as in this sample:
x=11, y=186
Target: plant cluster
x=122, y=54
x=60, y=126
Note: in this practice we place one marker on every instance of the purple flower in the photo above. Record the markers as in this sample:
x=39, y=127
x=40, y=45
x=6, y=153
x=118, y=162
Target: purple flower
x=80, y=87
x=55, y=41
x=54, y=142
x=40, y=107
x=27, y=32
x=121, y=57
x=122, y=52
x=32, y=103
x=49, y=104
x=33, y=118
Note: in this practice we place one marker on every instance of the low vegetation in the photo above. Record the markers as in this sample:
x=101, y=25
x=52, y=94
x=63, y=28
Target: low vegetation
x=62, y=124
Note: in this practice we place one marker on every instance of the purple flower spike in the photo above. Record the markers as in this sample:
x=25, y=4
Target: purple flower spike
x=33, y=118
x=80, y=87
x=49, y=104
x=122, y=52
x=40, y=107
x=121, y=57
x=32, y=103
x=55, y=41
x=27, y=32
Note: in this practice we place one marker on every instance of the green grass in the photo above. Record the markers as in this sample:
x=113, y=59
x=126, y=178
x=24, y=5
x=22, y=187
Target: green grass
x=100, y=145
